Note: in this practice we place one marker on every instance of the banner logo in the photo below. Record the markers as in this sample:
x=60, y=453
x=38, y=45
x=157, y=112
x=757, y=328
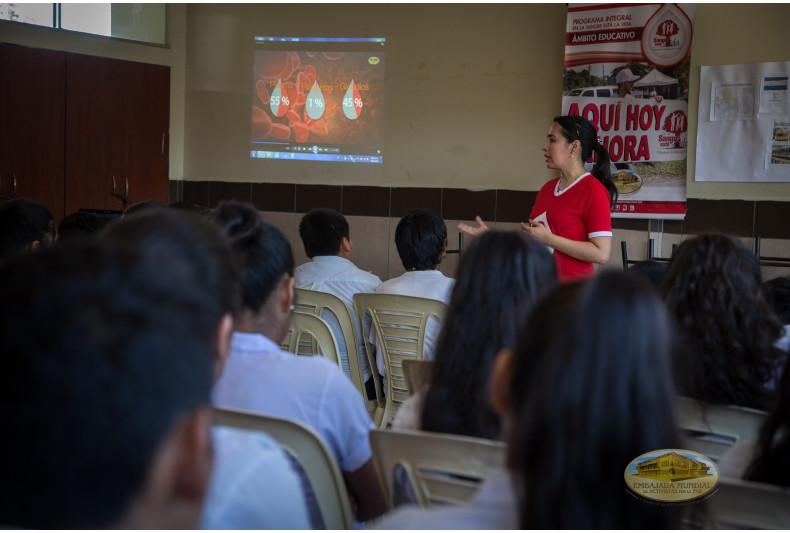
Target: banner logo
x=667, y=36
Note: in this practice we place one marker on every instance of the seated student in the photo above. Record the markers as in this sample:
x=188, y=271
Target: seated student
x=764, y=459
x=106, y=414
x=485, y=314
x=777, y=293
x=78, y=226
x=421, y=239
x=573, y=388
x=727, y=330
x=25, y=225
x=326, y=240
x=651, y=270
x=253, y=482
x=768, y=459
x=260, y=377
x=146, y=206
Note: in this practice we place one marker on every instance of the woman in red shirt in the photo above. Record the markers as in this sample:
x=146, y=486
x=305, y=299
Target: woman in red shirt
x=572, y=213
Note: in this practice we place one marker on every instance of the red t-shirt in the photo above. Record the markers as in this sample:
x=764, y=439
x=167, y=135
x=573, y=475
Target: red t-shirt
x=578, y=212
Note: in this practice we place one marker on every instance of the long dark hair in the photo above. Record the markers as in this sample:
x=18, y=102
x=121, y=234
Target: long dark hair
x=576, y=128
x=499, y=277
x=586, y=399
x=771, y=462
x=726, y=327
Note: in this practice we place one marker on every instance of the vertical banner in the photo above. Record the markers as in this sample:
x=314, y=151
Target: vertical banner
x=627, y=71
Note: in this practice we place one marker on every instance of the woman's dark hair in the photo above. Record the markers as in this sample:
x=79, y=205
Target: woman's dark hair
x=576, y=128
x=726, y=328
x=262, y=251
x=420, y=237
x=777, y=293
x=771, y=462
x=587, y=398
x=322, y=232
x=499, y=278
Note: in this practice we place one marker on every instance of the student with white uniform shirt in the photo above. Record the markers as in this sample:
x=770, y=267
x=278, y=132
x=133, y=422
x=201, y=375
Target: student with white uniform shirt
x=421, y=239
x=253, y=482
x=260, y=377
x=326, y=240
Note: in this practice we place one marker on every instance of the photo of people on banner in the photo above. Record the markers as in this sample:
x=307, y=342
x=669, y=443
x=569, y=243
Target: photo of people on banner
x=627, y=71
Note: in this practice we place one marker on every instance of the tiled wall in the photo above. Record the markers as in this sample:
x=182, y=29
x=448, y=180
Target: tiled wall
x=373, y=214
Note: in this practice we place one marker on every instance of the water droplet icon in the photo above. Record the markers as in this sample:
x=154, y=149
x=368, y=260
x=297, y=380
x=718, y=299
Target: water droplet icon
x=278, y=101
x=352, y=102
x=315, y=104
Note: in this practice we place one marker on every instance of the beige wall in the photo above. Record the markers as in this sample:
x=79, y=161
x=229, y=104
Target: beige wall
x=173, y=56
x=472, y=90
x=473, y=87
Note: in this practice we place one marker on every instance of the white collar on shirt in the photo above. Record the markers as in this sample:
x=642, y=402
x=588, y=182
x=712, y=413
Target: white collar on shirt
x=557, y=190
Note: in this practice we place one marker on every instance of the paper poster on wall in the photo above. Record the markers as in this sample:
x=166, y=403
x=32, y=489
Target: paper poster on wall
x=627, y=71
x=732, y=101
x=773, y=95
x=743, y=132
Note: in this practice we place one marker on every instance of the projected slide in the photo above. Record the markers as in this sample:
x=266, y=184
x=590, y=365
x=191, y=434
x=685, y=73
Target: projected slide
x=318, y=99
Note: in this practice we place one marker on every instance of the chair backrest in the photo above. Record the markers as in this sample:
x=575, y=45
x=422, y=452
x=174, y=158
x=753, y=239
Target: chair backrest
x=310, y=335
x=314, y=303
x=440, y=468
x=313, y=454
x=400, y=323
x=739, y=504
x=417, y=373
x=712, y=429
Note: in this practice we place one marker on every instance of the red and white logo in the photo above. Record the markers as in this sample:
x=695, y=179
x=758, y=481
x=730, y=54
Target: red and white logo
x=666, y=38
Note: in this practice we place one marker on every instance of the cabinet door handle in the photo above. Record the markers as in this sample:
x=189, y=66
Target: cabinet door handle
x=123, y=199
x=163, y=142
x=8, y=197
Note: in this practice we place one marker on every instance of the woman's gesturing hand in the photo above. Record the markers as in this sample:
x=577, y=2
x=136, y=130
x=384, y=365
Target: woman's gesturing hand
x=472, y=230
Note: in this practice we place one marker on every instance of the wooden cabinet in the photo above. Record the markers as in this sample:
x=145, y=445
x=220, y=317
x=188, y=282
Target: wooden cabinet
x=118, y=115
x=32, y=125
x=72, y=122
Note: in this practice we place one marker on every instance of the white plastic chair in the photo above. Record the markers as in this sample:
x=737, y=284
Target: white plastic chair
x=400, y=323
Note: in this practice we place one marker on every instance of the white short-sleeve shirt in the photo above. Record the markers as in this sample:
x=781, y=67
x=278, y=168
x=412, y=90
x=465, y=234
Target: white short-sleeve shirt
x=260, y=377
x=430, y=284
x=253, y=484
x=337, y=275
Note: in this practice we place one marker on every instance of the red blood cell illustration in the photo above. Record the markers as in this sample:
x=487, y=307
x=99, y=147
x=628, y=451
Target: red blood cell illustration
x=301, y=99
x=270, y=64
x=263, y=94
x=293, y=117
x=294, y=60
x=309, y=71
x=261, y=124
x=301, y=82
x=318, y=128
x=312, y=54
x=287, y=69
x=332, y=56
x=280, y=131
x=302, y=132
